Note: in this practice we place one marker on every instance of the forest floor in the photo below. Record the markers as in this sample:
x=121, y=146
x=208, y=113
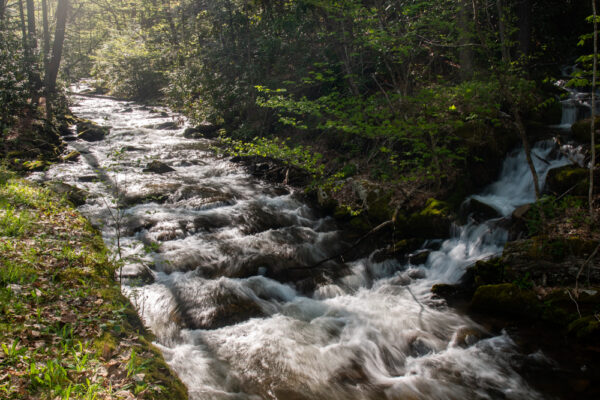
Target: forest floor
x=66, y=331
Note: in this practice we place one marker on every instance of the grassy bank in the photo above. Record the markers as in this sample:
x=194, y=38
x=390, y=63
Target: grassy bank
x=66, y=331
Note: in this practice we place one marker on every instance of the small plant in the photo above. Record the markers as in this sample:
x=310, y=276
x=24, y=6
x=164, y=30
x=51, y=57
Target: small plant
x=13, y=352
x=524, y=282
x=14, y=223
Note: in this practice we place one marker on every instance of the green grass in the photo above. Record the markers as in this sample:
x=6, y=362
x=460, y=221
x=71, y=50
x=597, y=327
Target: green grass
x=62, y=315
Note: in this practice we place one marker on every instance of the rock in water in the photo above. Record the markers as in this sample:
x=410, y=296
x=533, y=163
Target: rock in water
x=158, y=167
x=171, y=125
x=479, y=210
x=91, y=131
x=207, y=131
x=74, y=194
x=72, y=156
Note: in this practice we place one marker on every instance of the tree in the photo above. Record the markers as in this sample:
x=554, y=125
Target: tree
x=593, y=122
x=57, y=48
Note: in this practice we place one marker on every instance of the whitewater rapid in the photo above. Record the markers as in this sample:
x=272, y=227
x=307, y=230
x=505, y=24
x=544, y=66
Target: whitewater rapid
x=210, y=252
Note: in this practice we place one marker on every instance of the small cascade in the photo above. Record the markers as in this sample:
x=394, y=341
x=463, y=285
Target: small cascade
x=236, y=317
x=577, y=105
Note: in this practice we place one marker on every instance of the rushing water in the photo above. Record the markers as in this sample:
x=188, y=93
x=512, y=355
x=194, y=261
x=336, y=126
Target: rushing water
x=223, y=250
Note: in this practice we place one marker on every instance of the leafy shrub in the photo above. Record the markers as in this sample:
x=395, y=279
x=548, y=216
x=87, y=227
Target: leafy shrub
x=128, y=67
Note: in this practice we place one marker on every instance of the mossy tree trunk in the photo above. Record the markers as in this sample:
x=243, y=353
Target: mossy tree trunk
x=593, y=123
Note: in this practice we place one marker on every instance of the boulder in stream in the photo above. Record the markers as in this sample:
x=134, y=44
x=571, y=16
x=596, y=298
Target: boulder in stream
x=72, y=193
x=158, y=167
x=169, y=125
x=91, y=131
x=478, y=210
x=206, y=131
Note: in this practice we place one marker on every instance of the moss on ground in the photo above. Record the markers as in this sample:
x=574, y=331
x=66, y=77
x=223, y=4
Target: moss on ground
x=66, y=331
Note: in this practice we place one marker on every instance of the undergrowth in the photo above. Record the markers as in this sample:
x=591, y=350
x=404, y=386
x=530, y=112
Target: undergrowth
x=66, y=332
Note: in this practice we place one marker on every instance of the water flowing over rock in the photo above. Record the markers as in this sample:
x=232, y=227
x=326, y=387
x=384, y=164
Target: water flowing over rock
x=241, y=301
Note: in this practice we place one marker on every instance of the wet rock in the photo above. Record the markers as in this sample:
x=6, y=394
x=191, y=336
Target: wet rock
x=72, y=156
x=73, y=194
x=127, y=110
x=467, y=336
x=445, y=291
x=170, y=125
x=88, y=178
x=431, y=222
x=581, y=130
x=273, y=170
x=65, y=130
x=131, y=148
x=158, y=167
x=91, y=131
x=420, y=257
x=419, y=348
x=215, y=304
x=398, y=250
x=207, y=131
x=154, y=192
x=478, y=210
x=521, y=212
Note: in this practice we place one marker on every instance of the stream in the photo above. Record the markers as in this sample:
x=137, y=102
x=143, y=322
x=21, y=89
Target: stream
x=213, y=263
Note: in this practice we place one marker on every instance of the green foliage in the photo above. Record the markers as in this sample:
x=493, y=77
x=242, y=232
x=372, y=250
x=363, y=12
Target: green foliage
x=300, y=156
x=14, y=85
x=129, y=68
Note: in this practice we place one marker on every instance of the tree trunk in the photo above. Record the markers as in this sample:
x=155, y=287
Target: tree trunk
x=593, y=123
x=57, y=47
x=23, y=29
x=524, y=27
x=2, y=9
x=527, y=148
x=31, y=24
x=502, y=31
x=46, y=49
x=465, y=52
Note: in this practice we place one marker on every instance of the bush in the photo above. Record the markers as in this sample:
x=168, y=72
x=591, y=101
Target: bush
x=128, y=67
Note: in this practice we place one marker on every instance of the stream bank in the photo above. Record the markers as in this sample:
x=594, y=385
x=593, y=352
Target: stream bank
x=67, y=331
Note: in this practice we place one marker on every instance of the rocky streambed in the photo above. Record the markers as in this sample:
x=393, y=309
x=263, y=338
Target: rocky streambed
x=237, y=277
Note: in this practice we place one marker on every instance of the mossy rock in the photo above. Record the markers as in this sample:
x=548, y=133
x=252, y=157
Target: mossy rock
x=559, y=308
x=432, y=222
x=580, y=130
x=586, y=329
x=506, y=299
x=489, y=272
x=360, y=223
x=91, y=131
x=72, y=156
x=73, y=194
x=559, y=180
x=378, y=206
x=542, y=248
